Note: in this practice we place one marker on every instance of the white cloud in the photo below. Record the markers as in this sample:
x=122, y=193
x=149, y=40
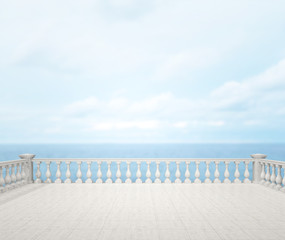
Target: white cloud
x=153, y=69
x=180, y=64
x=216, y=123
x=180, y=124
x=121, y=125
x=255, y=93
x=84, y=105
x=232, y=104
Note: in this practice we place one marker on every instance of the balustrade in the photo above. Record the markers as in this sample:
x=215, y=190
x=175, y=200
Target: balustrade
x=267, y=172
x=203, y=173
x=12, y=174
x=268, y=175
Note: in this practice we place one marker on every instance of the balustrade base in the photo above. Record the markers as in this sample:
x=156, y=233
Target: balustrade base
x=109, y=181
x=148, y=181
x=237, y=180
x=197, y=181
x=247, y=181
x=128, y=181
x=37, y=181
x=157, y=181
x=187, y=181
x=89, y=181
x=217, y=181
x=167, y=181
x=139, y=181
x=118, y=181
x=99, y=181
x=227, y=181
x=178, y=181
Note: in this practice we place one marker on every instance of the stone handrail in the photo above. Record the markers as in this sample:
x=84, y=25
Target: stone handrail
x=256, y=169
x=189, y=163
x=13, y=173
x=271, y=176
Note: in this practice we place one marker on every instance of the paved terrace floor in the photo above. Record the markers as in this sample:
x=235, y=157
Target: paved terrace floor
x=142, y=212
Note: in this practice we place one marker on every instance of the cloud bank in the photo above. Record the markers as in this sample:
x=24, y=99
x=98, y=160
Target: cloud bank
x=142, y=71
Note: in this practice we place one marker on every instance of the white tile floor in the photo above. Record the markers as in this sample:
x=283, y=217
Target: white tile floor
x=142, y=212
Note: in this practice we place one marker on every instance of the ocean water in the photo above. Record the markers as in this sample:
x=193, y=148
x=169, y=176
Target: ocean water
x=11, y=152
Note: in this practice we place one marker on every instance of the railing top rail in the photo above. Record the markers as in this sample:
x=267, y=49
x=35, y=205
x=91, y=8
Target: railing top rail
x=143, y=159
x=5, y=163
x=274, y=161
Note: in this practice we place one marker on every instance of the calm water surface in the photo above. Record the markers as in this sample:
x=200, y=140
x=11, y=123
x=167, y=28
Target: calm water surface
x=11, y=151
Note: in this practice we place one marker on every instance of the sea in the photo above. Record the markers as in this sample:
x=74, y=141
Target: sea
x=273, y=151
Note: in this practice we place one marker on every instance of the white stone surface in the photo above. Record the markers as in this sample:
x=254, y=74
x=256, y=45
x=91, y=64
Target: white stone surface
x=133, y=211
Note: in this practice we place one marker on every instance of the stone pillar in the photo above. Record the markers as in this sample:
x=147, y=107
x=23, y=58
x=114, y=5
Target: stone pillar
x=256, y=167
x=29, y=166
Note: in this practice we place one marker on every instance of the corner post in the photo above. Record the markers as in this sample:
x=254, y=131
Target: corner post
x=29, y=166
x=256, y=167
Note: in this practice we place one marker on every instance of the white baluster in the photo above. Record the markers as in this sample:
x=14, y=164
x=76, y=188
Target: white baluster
x=99, y=173
x=7, y=177
x=89, y=173
x=128, y=173
x=157, y=173
x=197, y=173
x=207, y=173
x=79, y=173
x=18, y=175
x=167, y=173
x=118, y=173
x=237, y=174
x=38, y=173
x=217, y=173
x=283, y=181
x=227, y=173
x=68, y=173
x=48, y=173
x=139, y=173
x=187, y=173
x=58, y=173
x=273, y=176
x=23, y=173
x=246, y=173
x=13, y=176
x=262, y=174
x=267, y=176
x=278, y=178
x=109, y=173
x=148, y=174
x=177, y=173
x=2, y=181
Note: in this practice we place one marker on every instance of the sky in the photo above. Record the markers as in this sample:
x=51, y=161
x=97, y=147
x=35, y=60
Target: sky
x=152, y=71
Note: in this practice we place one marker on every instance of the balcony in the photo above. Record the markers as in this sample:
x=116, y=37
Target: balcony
x=165, y=198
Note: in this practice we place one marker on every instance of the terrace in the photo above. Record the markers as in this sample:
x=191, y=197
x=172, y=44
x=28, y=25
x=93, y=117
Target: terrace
x=142, y=198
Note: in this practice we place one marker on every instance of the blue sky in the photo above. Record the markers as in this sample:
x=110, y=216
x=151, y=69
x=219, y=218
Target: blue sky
x=142, y=71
